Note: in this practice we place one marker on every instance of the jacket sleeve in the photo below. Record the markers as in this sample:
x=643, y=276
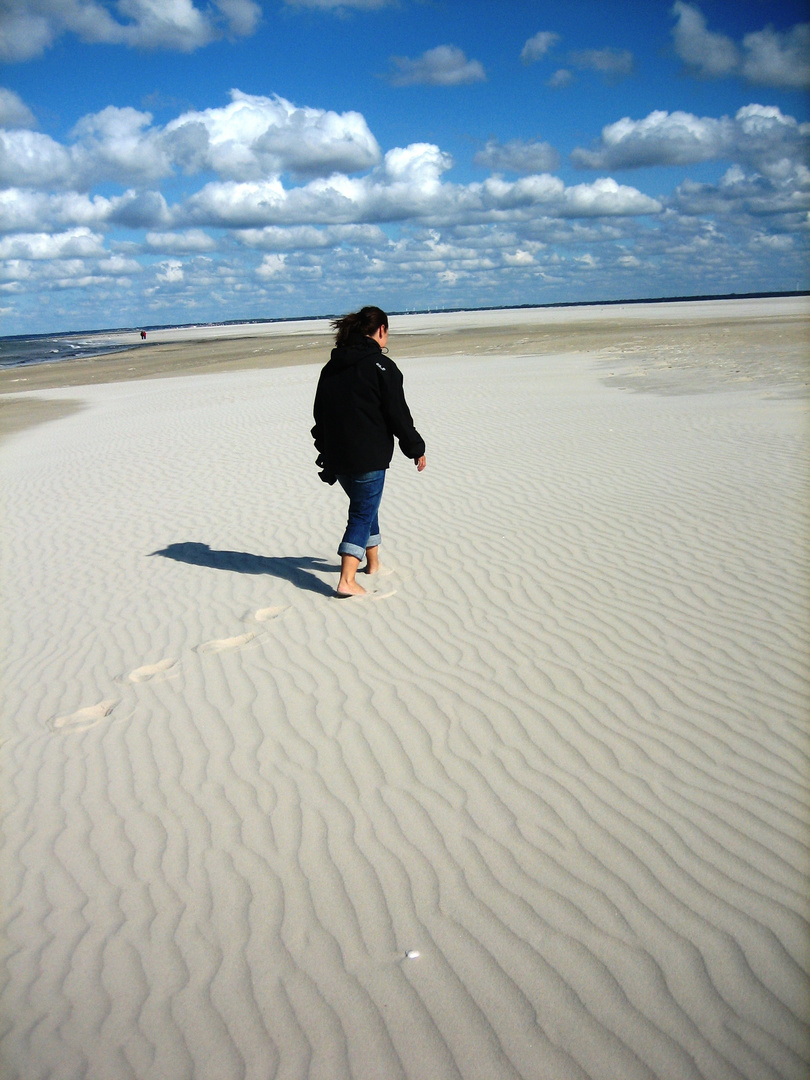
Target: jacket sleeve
x=396, y=411
x=326, y=473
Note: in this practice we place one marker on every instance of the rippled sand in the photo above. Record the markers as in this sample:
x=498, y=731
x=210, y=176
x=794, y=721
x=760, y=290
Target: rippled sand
x=537, y=809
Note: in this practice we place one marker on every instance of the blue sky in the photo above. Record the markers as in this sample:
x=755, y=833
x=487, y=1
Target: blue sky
x=167, y=161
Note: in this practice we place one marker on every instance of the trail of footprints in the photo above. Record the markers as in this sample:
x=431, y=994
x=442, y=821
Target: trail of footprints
x=168, y=668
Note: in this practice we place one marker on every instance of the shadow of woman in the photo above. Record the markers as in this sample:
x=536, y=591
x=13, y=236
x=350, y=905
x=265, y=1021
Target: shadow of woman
x=295, y=569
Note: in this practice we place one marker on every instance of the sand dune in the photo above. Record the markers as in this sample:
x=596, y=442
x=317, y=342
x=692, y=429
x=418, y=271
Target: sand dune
x=539, y=810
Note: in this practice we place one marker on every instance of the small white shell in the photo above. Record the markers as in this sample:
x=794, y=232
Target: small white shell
x=413, y=954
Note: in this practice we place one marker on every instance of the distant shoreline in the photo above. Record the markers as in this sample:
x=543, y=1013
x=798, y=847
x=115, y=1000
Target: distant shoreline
x=152, y=328
x=758, y=327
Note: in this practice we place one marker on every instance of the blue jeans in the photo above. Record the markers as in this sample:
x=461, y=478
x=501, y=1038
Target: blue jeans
x=362, y=529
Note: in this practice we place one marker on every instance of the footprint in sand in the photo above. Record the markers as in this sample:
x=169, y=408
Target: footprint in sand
x=84, y=718
x=266, y=613
x=152, y=671
x=382, y=594
x=224, y=644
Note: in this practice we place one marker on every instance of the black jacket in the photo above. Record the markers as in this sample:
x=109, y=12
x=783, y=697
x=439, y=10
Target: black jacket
x=359, y=407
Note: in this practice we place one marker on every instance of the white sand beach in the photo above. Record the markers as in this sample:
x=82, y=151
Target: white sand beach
x=535, y=810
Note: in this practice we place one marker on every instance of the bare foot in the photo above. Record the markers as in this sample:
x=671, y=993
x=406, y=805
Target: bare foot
x=349, y=588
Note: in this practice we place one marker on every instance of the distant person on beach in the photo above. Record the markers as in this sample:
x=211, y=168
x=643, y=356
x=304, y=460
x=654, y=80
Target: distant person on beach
x=359, y=408
x=143, y=335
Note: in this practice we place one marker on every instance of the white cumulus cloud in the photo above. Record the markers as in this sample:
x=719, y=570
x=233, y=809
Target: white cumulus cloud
x=28, y=27
x=407, y=186
x=24, y=210
x=446, y=65
x=171, y=271
x=250, y=138
x=255, y=136
x=33, y=159
x=118, y=144
x=661, y=138
x=75, y=243
x=749, y=198
x=518, y=258
x=606, y=197
x=271, y=266
x=407, y=181
x=758, y=135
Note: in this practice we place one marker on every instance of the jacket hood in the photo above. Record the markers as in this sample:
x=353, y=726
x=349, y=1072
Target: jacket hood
x=357, y=347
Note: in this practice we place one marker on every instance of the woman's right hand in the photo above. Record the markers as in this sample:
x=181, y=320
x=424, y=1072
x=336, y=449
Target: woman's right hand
x=420, y=463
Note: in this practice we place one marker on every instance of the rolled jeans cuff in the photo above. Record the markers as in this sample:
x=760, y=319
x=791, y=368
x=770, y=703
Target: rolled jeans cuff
x=352, y=549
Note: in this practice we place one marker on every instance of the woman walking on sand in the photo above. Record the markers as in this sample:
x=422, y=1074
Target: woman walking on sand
x=359, y=408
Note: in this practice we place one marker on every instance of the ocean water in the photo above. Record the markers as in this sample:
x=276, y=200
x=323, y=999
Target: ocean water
x=39, y=348
x=19, y=351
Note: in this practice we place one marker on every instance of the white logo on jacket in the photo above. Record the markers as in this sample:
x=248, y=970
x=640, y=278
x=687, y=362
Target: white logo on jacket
x=379, y=365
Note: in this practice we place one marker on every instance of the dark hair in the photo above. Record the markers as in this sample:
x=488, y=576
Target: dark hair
x=366, y=321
